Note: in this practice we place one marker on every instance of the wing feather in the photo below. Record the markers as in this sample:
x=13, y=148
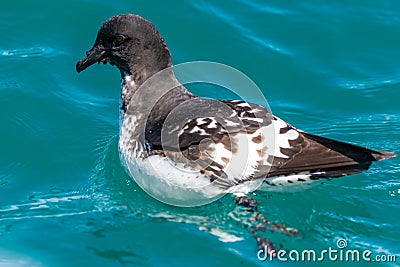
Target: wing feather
x=210, y=143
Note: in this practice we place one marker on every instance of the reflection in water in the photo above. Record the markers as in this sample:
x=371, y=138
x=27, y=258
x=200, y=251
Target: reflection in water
x=122, y=256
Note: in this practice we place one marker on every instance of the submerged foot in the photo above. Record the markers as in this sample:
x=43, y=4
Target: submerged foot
x=260, y=224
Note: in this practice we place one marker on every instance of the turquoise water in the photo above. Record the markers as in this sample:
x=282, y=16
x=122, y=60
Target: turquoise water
x=328, y=68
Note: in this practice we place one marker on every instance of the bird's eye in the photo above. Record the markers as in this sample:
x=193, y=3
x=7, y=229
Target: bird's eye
x=119, y=39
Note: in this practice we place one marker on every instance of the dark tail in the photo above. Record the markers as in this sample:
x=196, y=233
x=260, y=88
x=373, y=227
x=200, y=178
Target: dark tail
x=330, y=158
x=381, y=155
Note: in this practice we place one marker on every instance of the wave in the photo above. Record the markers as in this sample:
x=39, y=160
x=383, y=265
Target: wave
x=248, y=33
x=31, y=52
x=372, y=85
x=47, y=205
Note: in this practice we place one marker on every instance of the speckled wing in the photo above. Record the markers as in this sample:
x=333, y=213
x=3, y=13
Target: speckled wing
x=250, y=143
x=231, y=149
x=242, y=117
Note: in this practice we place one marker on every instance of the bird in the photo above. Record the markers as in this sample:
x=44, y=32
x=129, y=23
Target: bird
x=186, y=150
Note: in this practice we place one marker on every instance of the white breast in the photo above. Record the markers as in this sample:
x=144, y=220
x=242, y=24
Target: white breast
x=172, y=183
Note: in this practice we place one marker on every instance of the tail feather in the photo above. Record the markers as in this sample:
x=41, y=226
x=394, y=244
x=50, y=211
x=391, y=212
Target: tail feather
x=329, y=158
x=381, y=155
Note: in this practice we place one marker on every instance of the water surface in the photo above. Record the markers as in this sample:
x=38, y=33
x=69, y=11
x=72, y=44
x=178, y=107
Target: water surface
x=328, y=68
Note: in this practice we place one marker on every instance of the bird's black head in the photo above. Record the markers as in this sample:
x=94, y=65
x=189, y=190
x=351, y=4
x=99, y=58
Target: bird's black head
x=131, y=43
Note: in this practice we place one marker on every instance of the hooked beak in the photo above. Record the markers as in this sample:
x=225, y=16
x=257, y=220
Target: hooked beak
x=96, y=54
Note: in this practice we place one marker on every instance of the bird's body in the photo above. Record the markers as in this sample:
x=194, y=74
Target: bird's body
x=207, y=147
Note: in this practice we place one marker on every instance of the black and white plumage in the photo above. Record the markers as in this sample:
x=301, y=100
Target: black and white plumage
x=233, y=147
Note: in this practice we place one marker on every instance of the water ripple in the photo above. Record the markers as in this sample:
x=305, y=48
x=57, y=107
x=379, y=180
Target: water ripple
x=266, y=8
x=31, y=52
x=370, y=85
x=248, y=33
x=80, y=98
x=9, y=84
x=47, y=205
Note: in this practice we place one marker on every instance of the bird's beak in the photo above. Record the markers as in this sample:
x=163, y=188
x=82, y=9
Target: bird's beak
x=96, y=54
